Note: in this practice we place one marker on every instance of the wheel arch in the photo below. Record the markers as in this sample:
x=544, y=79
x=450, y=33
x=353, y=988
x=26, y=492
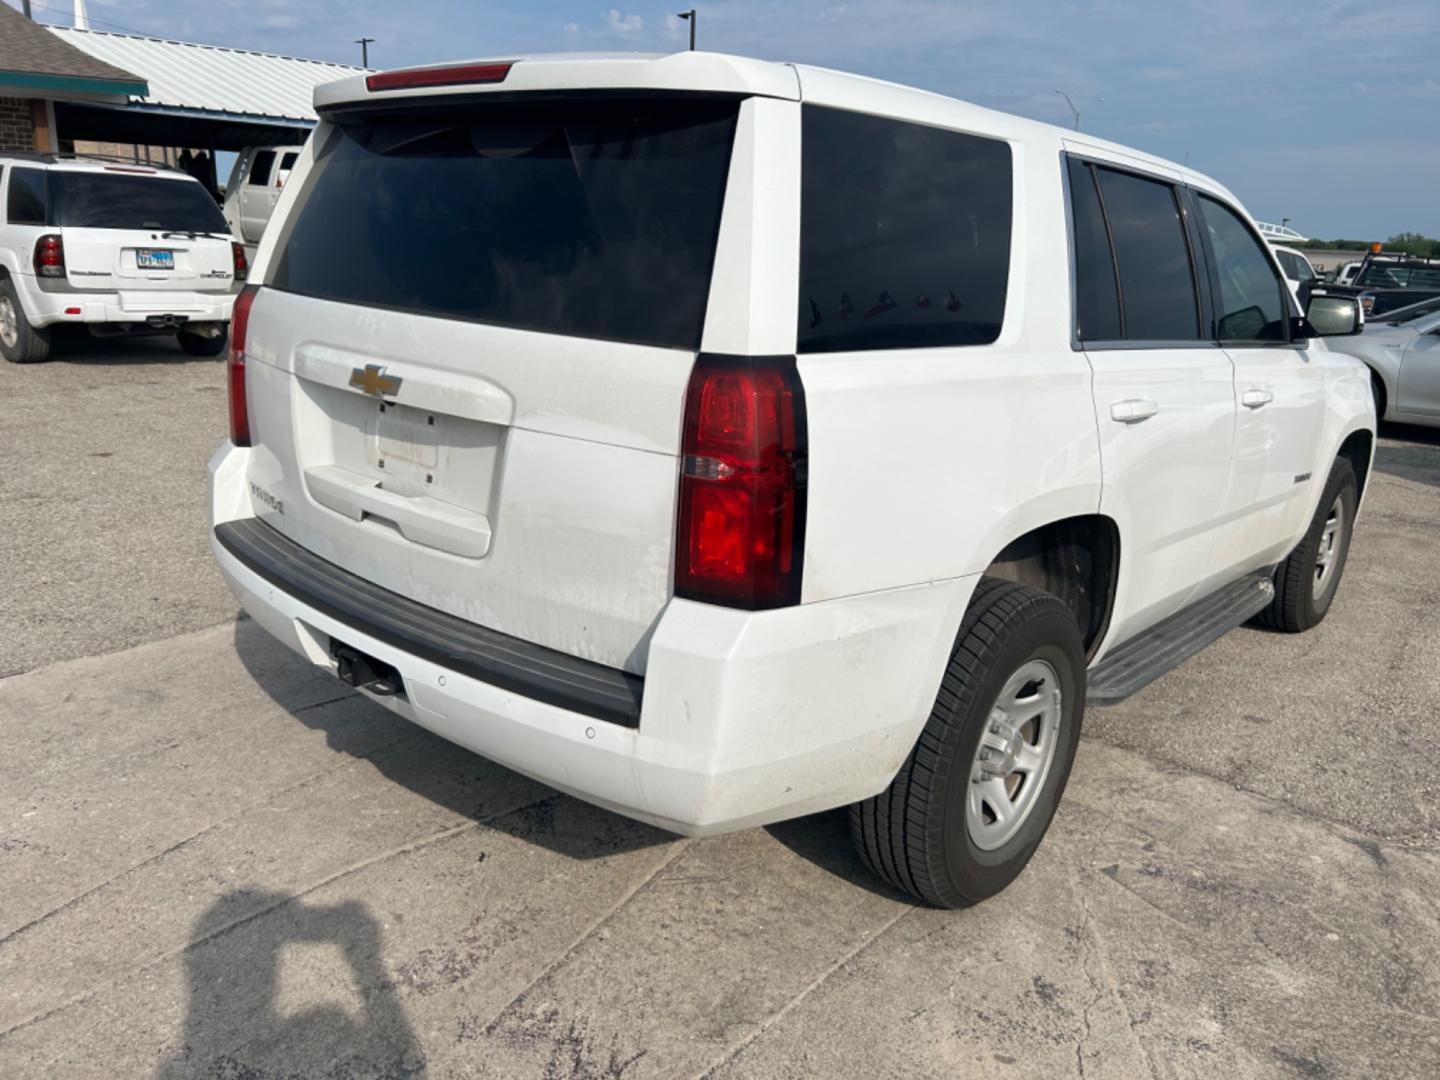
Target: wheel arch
x=1076, y=559
x=1359, y=448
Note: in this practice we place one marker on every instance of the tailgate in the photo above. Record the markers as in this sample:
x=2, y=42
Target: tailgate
x=508, y=478
x=466, y=377
x=132, y=259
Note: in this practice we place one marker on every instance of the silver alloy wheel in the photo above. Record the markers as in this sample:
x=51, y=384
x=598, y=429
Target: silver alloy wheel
x=1332, y=538
x=9, y=324
x=1014, y=755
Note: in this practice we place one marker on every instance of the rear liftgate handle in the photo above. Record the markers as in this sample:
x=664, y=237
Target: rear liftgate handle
x=1133, y=410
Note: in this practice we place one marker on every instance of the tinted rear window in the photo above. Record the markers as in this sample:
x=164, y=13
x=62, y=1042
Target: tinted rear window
x=120, y=201
x=587, y=218
x=904, y=234
x=260, y=168
x=1157, y=283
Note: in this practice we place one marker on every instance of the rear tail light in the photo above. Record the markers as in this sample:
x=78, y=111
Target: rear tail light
x=235, y=366
x=740, y=540
x=452, y=75
x=49, y=256
x=242, y=264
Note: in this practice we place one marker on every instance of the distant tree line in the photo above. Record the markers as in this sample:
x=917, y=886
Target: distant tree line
x=1408, y=242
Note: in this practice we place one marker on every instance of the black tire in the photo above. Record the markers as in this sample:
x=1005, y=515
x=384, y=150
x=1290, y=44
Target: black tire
x=915, y=834
x=1377, y=391
x=27, y=344
x=1302, y=596
x=195, y=345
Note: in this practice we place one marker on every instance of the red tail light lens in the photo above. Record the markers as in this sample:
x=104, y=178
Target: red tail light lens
x=235, y=366
x=49, y=256
x=741, y=528
x=242, y=264
x=453, y=75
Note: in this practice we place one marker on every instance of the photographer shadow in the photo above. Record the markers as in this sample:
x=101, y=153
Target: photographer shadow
x=236, y=1023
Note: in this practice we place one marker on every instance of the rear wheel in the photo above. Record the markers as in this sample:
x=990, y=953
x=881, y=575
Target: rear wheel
x=197, y=345
x=19, y=341
x=973, y=800
x=1305, y=583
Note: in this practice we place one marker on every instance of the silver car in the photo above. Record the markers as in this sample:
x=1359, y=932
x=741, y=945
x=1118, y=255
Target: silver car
x=1402, y=349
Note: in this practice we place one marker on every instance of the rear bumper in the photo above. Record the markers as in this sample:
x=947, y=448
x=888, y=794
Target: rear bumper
x=746, y=717
x=58, y=304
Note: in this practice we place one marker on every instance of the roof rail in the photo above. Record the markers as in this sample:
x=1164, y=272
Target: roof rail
x=1280, y=234
x=52, y=157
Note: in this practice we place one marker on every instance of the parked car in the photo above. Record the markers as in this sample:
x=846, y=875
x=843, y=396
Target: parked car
x=1402, y=351
x=256, y=180
x=1296, y=266
x=1385, y=281
x=119, y=248
x=722, y=441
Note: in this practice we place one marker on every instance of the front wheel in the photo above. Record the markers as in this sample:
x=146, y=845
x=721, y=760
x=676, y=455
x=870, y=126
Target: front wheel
x=974, y=798
x=1305, y=583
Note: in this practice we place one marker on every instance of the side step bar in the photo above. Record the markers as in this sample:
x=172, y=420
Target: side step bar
x=1168, y=644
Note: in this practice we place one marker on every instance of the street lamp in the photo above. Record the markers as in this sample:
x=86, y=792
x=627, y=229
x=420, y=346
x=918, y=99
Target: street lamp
x=689, y=16
x=1073, y=110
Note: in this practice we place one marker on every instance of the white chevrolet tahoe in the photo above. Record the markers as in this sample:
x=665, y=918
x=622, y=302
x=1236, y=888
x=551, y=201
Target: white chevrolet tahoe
x=121, y=249
x=722, y=441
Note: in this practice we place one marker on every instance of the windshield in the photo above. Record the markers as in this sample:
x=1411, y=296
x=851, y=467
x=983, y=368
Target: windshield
x=592, y=218
x=1400, y=316
x=116, y=201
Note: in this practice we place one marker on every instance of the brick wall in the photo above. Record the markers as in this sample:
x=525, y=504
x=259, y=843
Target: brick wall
x=17, y=127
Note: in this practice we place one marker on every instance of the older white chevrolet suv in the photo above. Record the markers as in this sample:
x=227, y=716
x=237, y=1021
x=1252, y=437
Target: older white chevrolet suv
x=722, y=441
x=116, y=247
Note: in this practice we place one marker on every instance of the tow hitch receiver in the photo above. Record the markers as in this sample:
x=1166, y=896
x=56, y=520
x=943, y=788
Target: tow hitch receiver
x=365, y=672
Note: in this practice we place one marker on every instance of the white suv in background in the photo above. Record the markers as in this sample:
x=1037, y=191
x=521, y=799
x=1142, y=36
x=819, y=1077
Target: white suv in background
x=722, y=441
x=255, y=183
x=117, y=248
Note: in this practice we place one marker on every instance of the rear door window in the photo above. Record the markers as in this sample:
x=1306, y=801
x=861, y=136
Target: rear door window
x=1251, y=304
x=904, y=234
x=1097, y=298
x=1156, y=276
x=261, y=167
x=25, y=204
x=592, y=218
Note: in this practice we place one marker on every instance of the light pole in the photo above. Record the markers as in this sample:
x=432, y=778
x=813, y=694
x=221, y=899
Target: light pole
x=1073, y=110
x=689, y=16
x=364, y=44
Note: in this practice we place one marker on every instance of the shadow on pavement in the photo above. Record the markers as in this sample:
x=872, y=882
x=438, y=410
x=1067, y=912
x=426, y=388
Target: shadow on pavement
x=1417, y=457
x=342, y=1016
x=428, y=765
x=824, y=840
x=78, y=347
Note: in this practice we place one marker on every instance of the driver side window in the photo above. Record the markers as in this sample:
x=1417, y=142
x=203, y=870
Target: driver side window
x=1252, y=295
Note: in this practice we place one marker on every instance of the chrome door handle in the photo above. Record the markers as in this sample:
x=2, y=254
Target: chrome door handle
x=1133, y=410
x=1254, y=399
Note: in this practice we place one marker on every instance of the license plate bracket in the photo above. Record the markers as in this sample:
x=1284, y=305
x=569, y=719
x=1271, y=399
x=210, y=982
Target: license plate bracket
x=154, y=259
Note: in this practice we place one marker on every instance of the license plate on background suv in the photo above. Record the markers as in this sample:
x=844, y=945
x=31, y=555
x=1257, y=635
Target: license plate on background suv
x=154, y=259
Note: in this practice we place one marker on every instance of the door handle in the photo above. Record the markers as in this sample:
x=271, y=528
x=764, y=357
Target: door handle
x=1254, y=399
x=1133, y=410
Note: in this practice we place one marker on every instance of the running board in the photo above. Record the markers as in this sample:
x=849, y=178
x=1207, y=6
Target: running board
x=1168, y=644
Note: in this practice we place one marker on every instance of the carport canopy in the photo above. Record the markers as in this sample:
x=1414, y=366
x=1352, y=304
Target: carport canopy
x=200, y=96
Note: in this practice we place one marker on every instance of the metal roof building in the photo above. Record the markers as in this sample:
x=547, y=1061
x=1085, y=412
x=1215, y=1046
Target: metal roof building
x=197, y=95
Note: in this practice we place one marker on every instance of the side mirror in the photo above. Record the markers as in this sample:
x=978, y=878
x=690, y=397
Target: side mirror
x=1333, y=316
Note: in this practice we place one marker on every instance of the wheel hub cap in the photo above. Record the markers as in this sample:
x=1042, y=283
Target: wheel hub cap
x=1014, y=755
x=1331, y=542
x=9, y=329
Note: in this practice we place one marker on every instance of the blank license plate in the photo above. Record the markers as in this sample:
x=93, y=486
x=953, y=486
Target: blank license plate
x=154, y=259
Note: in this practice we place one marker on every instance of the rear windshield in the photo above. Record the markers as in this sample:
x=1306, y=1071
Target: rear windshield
x=1400, y=276
x=587, y=218
x=120, y=201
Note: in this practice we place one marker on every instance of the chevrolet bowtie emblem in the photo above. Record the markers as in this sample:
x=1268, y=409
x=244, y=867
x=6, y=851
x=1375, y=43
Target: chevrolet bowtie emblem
x=373, y=381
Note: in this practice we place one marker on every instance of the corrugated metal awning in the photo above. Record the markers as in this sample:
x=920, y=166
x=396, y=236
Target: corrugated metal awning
x=208, y=81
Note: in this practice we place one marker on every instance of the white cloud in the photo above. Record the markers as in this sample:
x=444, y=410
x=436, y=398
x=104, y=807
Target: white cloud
x=279, y=22
x=623, y=23
x=572, y=28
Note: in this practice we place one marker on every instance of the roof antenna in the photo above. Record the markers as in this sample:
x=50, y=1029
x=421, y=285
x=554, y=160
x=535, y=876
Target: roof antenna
x=82, y=17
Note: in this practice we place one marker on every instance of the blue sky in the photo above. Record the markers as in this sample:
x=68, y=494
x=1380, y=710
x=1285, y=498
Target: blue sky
x=1323, y=111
